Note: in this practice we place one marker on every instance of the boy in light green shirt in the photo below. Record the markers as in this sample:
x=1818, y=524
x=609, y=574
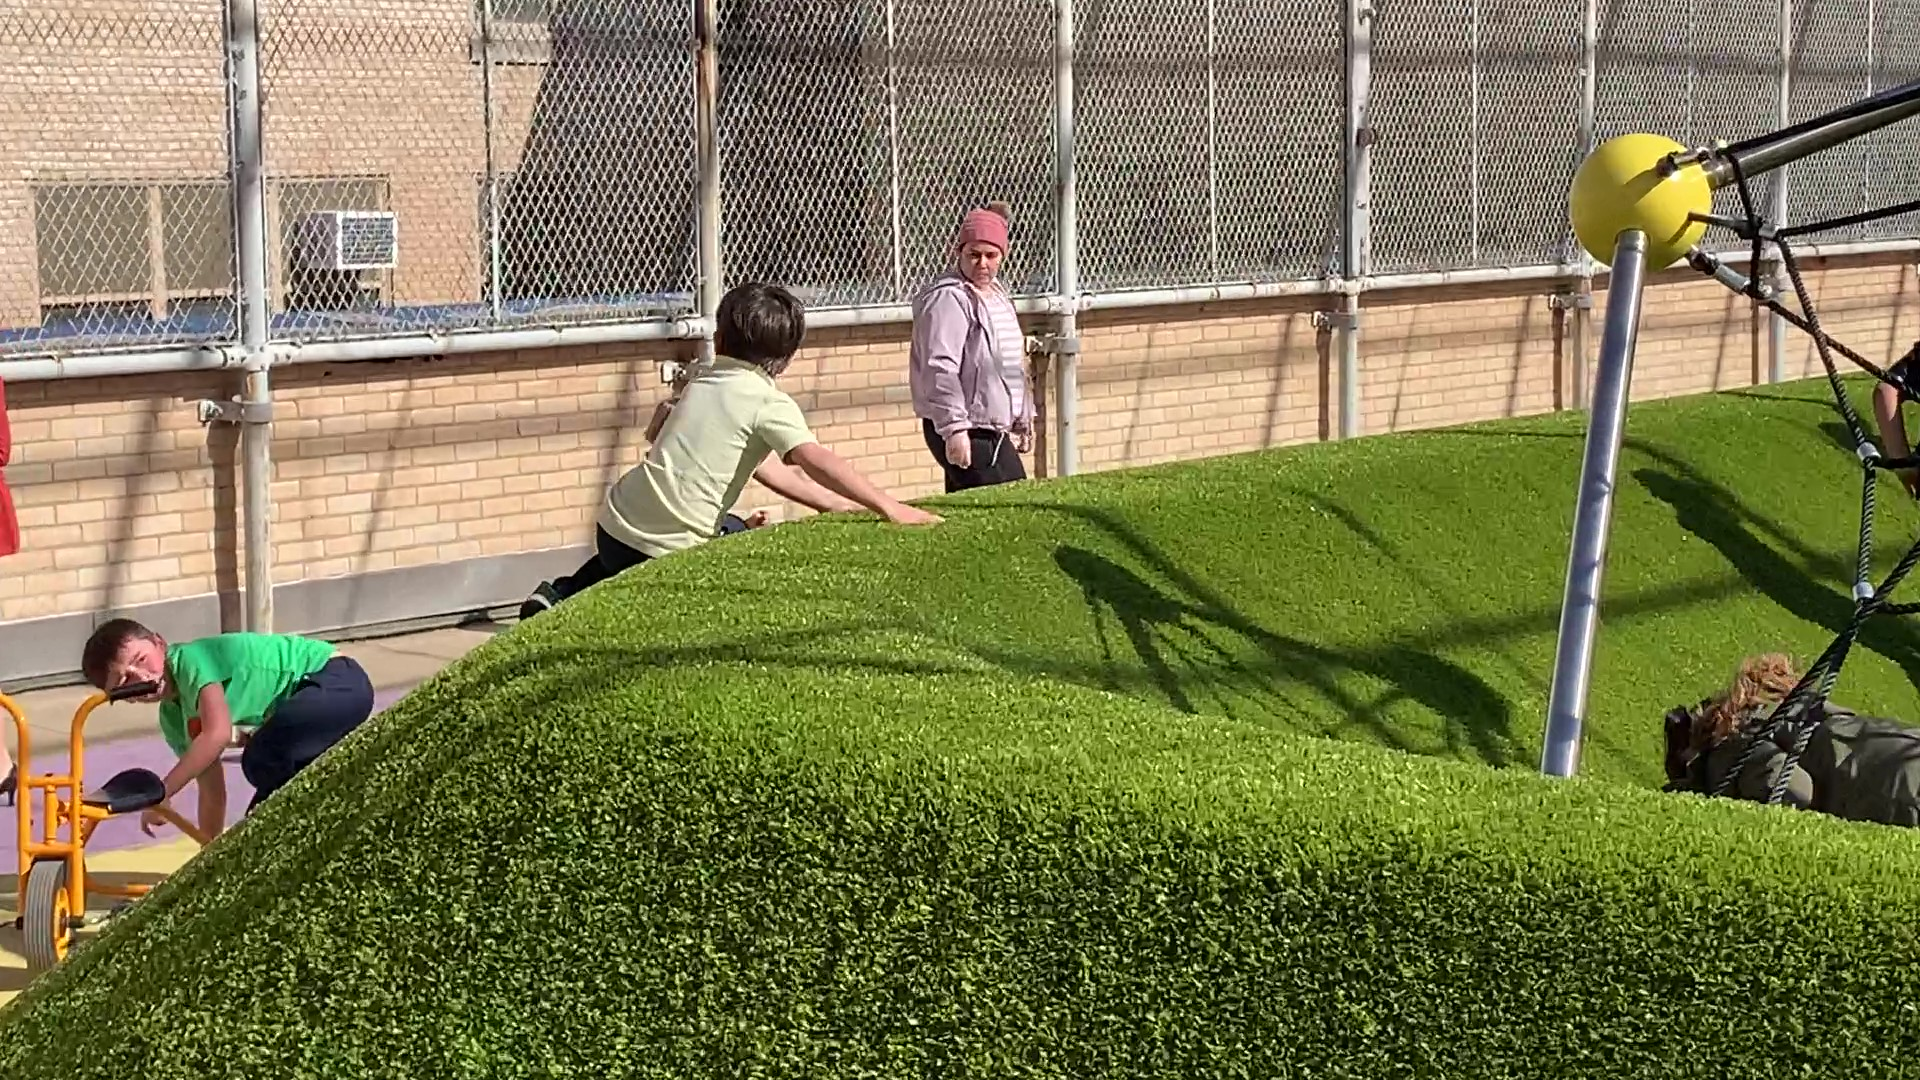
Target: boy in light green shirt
x=727, y=421
x=288, y=698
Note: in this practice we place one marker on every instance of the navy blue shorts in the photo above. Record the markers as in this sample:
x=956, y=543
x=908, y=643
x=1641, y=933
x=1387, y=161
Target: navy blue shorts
x=323, y=708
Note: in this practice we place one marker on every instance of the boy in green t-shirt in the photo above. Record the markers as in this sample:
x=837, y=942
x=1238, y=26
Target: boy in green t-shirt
x=290, y=698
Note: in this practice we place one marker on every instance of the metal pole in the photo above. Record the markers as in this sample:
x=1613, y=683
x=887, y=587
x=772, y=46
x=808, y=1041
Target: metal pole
x=1589, y=138
x=250, y=234
x=1357, y=241
x=1777, y=326
x=487, y=118
x=1213, y=142
x=706, y=122
x=1586, y=564
x=1473, y=126
x=1822, y=134
x=1866, y=152
x=893, y=157
x=1066, y=367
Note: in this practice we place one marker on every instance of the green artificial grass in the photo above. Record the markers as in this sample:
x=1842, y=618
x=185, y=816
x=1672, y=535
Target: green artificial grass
x=1179, y=772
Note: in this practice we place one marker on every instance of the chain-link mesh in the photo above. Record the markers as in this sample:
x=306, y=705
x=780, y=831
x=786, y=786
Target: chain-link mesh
x=1208, y=143
x=854, y=136
x=1696, y=71
x=1476, y=107
x=372, y=138
x=1830, y=40
x=1279, y=110
x=1143, y=145
x=594, y=140
x=805, y=149
x=974, y=87
x=1893, y=154
x=114, y=222
x=382, y=210
x=1527, y=131
x=475, y=163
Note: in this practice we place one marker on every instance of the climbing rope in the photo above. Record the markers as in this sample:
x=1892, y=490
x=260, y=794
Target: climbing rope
x=1800, y=711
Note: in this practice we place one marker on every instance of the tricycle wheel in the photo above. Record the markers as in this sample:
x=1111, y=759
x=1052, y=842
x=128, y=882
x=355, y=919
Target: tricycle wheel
x=46, y=923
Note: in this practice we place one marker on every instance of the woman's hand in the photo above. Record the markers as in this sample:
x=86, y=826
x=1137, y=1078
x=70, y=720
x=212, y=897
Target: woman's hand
x=960, y=449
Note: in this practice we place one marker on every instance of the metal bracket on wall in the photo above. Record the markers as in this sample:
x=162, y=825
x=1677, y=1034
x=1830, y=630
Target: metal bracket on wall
x=1336, y=320
x=1571, y=301
x=236, y=411
x=1052, y=345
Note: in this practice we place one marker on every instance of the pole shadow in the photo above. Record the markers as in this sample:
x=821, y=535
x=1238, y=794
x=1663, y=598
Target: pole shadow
x=1188, y=650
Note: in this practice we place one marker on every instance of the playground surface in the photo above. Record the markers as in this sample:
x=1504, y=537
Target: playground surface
x=125, y=736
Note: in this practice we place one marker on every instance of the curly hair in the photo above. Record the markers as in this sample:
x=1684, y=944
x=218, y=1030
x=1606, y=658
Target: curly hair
x=1761, y=680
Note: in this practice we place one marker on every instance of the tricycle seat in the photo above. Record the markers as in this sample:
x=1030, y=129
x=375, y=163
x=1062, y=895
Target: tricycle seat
x=130, y=791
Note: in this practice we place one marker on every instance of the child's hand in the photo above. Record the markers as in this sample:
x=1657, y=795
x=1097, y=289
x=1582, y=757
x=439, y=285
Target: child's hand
x=902, y=514
x=151, y=817
x=756, y=519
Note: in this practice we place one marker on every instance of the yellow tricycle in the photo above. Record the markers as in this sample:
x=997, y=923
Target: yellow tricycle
x=53, y=887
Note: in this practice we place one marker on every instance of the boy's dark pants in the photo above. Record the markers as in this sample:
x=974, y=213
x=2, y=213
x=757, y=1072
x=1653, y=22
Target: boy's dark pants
x=611, y=558
x=323, y=709
x=995, y=461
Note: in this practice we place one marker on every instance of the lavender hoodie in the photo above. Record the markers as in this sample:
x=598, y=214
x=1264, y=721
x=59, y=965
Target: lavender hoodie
x=954, y=370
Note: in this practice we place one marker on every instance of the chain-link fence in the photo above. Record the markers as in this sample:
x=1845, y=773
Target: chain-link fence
x=492, y=164
x=114, y=219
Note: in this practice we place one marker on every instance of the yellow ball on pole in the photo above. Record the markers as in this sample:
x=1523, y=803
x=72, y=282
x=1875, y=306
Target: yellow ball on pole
x=1619, y=187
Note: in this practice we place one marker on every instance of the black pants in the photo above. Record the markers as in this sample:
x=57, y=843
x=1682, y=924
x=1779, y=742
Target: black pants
x=323, y=709
x=611, y=557
x=994, y=461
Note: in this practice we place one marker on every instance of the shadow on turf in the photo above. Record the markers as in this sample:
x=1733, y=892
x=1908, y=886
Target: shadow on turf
x=1713, y=514
x=1181, y=643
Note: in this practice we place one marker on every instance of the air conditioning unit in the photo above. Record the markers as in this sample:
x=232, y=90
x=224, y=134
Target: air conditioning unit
x=347, y=240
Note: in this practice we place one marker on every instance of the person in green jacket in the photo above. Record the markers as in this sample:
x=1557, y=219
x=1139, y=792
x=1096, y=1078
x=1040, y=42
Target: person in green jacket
x=1855, y=767
x=286, y=698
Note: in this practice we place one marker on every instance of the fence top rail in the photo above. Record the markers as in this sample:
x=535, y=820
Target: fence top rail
x=91, y=359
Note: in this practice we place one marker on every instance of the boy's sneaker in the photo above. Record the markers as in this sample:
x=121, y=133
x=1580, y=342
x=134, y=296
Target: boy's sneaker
x=543, y=597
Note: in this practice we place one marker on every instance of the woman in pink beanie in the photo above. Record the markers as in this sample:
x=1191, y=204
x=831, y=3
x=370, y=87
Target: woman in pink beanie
x=967, y=364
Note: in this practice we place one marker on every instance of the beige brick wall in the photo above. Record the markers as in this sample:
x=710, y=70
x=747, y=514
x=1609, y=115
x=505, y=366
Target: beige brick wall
x=126, y=499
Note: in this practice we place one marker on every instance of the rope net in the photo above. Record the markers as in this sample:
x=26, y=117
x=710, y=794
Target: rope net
x=1801, y=710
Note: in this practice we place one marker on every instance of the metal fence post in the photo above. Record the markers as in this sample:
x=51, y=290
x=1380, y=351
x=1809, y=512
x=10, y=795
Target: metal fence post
x=487, y=123
x=1357, y=230
x=1589, y=138
x=893, y=158
x=1066, y=367
x=706, y=124
x=1213, y=140
x=1777, y=326
x=249, y=185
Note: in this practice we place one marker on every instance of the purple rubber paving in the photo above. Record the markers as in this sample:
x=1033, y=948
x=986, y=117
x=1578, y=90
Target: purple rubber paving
x=106, y=759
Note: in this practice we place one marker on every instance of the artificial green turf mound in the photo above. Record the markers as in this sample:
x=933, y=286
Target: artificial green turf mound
x=1047, y=792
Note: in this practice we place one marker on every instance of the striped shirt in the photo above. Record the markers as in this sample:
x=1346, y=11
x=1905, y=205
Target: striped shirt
x=1010, y=345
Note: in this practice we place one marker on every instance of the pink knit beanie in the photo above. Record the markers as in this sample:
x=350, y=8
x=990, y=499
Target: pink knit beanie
x=984, y=226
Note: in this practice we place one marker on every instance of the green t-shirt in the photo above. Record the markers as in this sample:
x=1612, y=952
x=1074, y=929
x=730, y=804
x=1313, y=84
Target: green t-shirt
x=256, y=672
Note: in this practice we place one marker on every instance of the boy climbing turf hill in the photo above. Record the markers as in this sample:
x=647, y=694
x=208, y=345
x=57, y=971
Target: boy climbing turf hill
x=292, y=698
x=725, y=424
